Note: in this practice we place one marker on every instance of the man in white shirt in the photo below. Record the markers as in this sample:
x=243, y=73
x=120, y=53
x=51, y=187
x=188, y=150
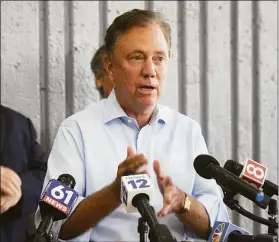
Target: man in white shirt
x=130, y=131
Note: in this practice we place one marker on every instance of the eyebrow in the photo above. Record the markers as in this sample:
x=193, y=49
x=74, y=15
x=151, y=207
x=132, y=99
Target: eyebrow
x=142, y=52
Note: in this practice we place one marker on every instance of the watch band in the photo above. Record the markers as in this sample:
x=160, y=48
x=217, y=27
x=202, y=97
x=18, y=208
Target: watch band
x=186, y=205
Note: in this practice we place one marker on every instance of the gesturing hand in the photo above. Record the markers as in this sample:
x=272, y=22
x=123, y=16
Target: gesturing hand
x=7, y=202
x=10, y=182
x=10, y=188
x=173, y=197
x=132, y=163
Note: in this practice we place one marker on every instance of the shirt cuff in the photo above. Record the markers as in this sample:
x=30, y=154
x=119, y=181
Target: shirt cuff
x=214, y=208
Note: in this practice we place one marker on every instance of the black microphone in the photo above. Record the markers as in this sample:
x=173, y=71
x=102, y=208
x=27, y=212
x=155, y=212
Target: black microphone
x=139, y=197
x=208, y=167
x=236, y=236
x=56, y=203
x=157, y=232
x=236, y=168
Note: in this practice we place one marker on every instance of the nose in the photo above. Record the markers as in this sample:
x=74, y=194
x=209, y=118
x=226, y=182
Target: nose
x=148, y=69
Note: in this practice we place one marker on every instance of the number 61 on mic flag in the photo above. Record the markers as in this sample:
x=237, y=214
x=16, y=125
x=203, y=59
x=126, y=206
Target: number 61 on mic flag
x=59, y=196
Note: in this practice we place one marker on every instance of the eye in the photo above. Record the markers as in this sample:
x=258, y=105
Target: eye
x=159, y=59
x=137, y=57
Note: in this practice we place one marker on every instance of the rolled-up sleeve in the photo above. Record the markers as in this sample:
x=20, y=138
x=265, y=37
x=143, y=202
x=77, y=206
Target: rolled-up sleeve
x=206, y=191
x=209, y=195
x=66, y=157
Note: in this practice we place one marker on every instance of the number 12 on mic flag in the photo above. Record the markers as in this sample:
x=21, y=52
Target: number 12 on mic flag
x=133, y=185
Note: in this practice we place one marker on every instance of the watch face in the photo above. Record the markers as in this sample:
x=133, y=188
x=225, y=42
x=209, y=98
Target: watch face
x=187, y=204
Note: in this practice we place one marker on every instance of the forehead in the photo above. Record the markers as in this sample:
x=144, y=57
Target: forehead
x=149, y=38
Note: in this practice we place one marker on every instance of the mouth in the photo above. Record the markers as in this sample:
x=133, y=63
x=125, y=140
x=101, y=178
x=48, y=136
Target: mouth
x=147, y=87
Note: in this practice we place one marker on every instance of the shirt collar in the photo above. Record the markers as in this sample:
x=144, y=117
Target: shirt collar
x=113, y=110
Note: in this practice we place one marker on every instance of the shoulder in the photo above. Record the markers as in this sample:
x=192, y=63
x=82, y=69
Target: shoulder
x=177, y=119
x=89, y=116
x=12, y=115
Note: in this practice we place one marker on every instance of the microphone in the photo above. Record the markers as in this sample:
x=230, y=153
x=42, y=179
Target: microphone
x=208, y=167
x=136, y=194
x=222, y=231
x=132, y=185
x=56, y=203
x=253, y=173
x=235, y=236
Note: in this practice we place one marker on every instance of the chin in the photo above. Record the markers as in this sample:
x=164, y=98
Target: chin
x=148, y=102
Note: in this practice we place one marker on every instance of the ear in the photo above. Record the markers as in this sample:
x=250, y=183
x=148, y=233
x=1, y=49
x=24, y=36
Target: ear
x=99, y=83
x=108, y=66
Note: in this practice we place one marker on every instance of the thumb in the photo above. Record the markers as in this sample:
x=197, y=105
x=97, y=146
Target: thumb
x=130, y=151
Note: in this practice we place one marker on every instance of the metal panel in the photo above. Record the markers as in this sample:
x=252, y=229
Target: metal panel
x=20, y=75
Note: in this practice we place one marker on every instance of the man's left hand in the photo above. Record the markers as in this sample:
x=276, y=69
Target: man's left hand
x=172, y=195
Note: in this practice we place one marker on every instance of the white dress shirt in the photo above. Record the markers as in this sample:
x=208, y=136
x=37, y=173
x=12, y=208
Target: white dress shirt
x=92, y=143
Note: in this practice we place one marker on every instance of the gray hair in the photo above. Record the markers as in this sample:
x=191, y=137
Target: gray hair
x=130, y=19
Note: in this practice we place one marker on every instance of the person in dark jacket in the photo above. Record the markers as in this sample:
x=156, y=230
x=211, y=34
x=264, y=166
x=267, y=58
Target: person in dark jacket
x=23, y=165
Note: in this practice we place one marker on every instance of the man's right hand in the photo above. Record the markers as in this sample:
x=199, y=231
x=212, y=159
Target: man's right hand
x=132, y=163
x=10, y=188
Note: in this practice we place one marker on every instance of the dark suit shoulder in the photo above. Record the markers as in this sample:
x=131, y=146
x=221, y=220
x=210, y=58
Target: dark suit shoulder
x=11, y=114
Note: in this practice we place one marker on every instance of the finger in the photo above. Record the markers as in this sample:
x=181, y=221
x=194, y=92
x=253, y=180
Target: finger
x=6, y=190
x=3, y=199
x=10, y=181
x=8, y=187
x=168, y=195
x=133, y=163
x=9, y=174
x=136, y=165
x=4, y=208
x=165, y=210
x=166, y=207
x=130, y=151
x=158, y=170
x=145, y=171
x=133, y=159
x=167, y=182
x=5, y=205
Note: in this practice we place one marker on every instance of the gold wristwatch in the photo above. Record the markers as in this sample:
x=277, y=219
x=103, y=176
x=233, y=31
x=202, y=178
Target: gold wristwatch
x=186, y=204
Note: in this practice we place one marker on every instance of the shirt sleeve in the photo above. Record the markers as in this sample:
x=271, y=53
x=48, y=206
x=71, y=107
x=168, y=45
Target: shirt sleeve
x=206, y=191
x=66, y=156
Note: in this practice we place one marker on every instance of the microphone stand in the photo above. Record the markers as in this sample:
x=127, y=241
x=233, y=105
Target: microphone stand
x=272, y=212
x=42, y=238
x=43, y=233
x=142, y=229
x=236, y=236
x=157, y=232
x=234, y=205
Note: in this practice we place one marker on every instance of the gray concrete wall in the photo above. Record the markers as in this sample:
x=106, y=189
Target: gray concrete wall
x=222, y=71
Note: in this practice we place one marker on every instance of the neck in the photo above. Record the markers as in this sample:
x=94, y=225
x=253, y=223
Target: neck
x=142, y=117
x=141, y=114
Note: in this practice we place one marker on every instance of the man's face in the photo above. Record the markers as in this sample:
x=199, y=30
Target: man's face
x=104, y=85
x=138, y=66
